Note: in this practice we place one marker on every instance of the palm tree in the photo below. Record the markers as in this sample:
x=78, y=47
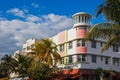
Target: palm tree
x=51, y=53
x=110, y=10
x=39, y=71
x=110, y=30
x=3, y=71
x=107, y=31
x=8, y=64
x=46, y=51
x=22, y=65
x=103, y=74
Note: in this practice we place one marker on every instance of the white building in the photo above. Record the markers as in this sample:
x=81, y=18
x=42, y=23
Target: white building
x=30, y=44
x=27, y=47
x=83, y=58
x=80, y=59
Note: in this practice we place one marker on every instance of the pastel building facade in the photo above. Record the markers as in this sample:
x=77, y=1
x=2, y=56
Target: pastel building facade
x=80, y=59
x=26, y=48
x=83, y=58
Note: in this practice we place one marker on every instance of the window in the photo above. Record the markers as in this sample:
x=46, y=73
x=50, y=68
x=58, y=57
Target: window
x=94, y=58
x=101, y=44
x=70, y=45
x=32, y=46
x=115, y=48
x=115, y=61
x=101, y=58
x=80, y=43
x=62, y=47
x=106, y=60
x=81, y=58
x=93, y=44
x=28, y=48
x=62, y=60
x=70, y=59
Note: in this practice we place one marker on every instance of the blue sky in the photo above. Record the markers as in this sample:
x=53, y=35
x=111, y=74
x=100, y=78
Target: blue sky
x=24, y=19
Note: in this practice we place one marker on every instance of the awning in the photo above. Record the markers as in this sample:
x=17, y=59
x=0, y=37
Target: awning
x=75, y=76
x=83, y=72
x=79, y=71
x=72, y=74
x=74, y=71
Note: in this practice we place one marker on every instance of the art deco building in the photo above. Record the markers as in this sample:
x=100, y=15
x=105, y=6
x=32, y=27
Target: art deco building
x=80, y=59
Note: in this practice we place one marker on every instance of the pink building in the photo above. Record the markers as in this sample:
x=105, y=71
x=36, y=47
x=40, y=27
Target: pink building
x=80, y=59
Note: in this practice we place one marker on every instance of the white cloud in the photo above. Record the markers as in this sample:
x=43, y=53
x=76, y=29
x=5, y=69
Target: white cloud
x=17, y=12
x=15, y=32
x=32, y=18
x=35, y=5
x=58, y=22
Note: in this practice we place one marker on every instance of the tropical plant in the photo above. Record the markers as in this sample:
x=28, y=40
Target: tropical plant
x=105, y=31
x=8, y=64
x=110, y=10
x=104, y=74
x=22, y=65
x=3, y=71
x=46, y=51
x=25, y=66
x=40, y=71
x=110, y=30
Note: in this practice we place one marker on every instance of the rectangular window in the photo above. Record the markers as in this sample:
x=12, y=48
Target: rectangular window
x=101, y=44
x=28, y=48
x=94, y=58
x=70, y=45
x=80, y=43
x=93, y=44
x=101, y=58
x=62, y=60
x=81, y=58
x=106, y=60
x=70, y=59
x=115, y=61
x=115, y=48
x=62, y=47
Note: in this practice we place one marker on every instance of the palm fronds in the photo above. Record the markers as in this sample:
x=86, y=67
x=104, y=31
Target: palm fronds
x=107, y=32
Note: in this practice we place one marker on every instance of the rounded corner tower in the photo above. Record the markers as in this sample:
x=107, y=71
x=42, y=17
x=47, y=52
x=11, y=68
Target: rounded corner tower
x=81, y=24
x=81, y=19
